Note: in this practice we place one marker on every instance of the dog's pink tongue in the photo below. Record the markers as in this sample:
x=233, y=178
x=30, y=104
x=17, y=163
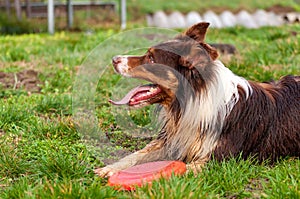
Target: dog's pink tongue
x=129, y=95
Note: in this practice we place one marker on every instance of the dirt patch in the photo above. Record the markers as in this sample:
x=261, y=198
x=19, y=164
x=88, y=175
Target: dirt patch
x=116, y=156
x=127, y=143
x=279, y=9
x=27, y=80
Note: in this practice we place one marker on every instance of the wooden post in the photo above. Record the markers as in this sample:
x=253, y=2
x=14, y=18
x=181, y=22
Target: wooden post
x=18, y=9
x=123, y=14
x=28, y=8
x=69, y=13
x=51, y=16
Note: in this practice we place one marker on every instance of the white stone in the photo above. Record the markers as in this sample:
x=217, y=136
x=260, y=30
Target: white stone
x=213, y=19
x=160, y=19
x=192, y=18
x=225, y=19
x=228, y=19
x=261, y=18
x=274, y=19
x=176, y=20
x=245, y=19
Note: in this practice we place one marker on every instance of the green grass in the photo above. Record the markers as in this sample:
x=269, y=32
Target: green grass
x=138, y=7
x=136, y=11
x=42, y=154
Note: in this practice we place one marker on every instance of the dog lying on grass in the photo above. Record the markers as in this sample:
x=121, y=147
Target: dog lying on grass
x=208, y=111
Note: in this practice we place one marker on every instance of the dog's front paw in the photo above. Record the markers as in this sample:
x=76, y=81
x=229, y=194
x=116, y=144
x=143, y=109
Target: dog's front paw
x=105, y=171
x=194, y=167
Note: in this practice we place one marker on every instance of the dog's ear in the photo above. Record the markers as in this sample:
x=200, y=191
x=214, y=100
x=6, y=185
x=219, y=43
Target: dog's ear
x=197, y=31
x=198, y=56
x=213, y=53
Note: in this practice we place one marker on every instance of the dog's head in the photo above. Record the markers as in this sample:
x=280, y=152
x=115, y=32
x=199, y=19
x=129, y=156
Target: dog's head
x=171, y=67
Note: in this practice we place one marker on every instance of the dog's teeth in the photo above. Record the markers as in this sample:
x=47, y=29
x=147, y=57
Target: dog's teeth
x=152, y=90
x=132, y=100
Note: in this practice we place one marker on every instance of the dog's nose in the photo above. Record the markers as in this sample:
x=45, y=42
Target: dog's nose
x=116, y=60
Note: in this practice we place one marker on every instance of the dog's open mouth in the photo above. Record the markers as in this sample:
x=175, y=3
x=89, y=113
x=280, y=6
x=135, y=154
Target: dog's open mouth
x=141, y=96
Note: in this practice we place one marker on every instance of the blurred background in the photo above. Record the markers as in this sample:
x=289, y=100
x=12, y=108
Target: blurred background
x=30, y=16
x=44, y=76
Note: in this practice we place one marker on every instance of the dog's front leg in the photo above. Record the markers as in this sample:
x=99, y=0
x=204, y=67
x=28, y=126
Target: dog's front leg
x=196, y=166
x=150, y=153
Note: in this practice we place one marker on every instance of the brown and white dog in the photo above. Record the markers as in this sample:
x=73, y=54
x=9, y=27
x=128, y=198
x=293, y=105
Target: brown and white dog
x=207, y=110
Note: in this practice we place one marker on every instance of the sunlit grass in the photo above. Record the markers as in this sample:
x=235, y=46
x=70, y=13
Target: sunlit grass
x=41, y=151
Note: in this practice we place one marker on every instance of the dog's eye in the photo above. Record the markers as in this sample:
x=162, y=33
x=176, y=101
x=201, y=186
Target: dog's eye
x=151, y=59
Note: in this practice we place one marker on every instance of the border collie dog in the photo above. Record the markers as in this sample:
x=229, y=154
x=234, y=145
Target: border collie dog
x=207, y=111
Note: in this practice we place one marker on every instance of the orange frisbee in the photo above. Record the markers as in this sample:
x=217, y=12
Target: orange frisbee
x=142, y=174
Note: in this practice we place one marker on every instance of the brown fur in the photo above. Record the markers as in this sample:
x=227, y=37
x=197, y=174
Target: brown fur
x=207, y=111
x=267, y=125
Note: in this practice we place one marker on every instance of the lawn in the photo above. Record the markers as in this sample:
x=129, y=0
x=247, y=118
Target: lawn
x=138, y=7
x=47, y=151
